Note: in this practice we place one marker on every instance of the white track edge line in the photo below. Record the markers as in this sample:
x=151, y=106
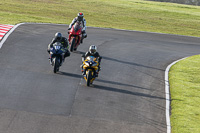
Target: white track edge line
x=8, y=33
x=167, y=94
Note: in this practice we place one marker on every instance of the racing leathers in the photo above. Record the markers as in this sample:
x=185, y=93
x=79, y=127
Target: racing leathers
x=83, y=24
x=96, y=55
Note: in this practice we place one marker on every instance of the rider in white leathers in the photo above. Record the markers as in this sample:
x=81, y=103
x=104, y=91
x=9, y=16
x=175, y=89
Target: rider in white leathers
x=83, y=24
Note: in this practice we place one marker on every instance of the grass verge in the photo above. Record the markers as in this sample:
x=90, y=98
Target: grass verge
x=184, y=78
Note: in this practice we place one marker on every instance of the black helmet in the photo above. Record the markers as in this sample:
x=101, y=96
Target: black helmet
x=93, y=49
x=80, y=16
x=58, y=36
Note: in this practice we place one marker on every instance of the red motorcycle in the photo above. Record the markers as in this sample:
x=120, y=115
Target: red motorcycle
x=75, y=36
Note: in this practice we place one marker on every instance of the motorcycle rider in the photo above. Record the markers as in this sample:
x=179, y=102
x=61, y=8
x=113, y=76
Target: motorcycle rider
x=92, y=52
x=83, y=23
x=59, y=38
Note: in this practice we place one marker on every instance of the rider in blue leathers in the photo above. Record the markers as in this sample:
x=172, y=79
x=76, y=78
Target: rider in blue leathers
x=59, y=38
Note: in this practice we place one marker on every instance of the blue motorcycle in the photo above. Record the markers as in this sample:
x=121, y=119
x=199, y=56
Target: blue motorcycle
x=56, y=56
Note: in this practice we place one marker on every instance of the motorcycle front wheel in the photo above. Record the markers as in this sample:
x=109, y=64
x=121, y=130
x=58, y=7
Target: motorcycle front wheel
x=73, y=43
x=89, y=77
x=56, y=65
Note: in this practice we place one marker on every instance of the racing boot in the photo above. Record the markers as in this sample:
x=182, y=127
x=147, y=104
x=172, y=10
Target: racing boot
x=50, y=61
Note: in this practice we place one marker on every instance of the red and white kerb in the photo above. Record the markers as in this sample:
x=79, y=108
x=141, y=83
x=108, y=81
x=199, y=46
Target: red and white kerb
x=4, y=29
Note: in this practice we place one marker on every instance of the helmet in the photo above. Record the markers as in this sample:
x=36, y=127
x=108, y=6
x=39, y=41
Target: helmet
x=80, y=16
x=93, y=49
x=58, y=36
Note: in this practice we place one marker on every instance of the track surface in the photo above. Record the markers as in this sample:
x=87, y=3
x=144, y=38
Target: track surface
x=127, y=97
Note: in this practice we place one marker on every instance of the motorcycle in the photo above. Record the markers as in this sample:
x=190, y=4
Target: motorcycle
x=75, y=36
x=56, y=56
x=90, y=64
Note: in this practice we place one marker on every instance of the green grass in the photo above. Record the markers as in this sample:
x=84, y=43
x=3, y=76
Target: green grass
x=121, y=14
x=131, y=15
x=184, y=78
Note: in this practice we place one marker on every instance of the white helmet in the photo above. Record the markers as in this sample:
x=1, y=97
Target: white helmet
x=93, y=49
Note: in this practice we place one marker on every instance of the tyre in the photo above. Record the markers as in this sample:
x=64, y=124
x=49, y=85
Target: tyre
x=73, y=41
x=56, y=65
x=89, y=77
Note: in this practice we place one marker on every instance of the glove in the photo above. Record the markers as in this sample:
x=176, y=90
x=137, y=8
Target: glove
x=69, y=28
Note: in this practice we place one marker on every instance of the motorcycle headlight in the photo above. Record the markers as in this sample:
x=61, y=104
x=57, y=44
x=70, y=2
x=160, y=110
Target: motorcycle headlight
x=86, y=63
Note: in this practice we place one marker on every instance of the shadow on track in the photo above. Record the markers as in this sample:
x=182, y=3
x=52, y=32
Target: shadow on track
x=125, y=91
x=130, y=63
x=70, y=74
x=121, y=61
x=101, y=80
x=118, y=83
x=139, y=65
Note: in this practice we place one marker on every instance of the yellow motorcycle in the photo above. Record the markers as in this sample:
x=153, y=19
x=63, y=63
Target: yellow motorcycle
x=90, y=64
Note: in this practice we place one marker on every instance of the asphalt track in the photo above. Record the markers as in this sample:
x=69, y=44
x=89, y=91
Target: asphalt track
x=127, y=97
